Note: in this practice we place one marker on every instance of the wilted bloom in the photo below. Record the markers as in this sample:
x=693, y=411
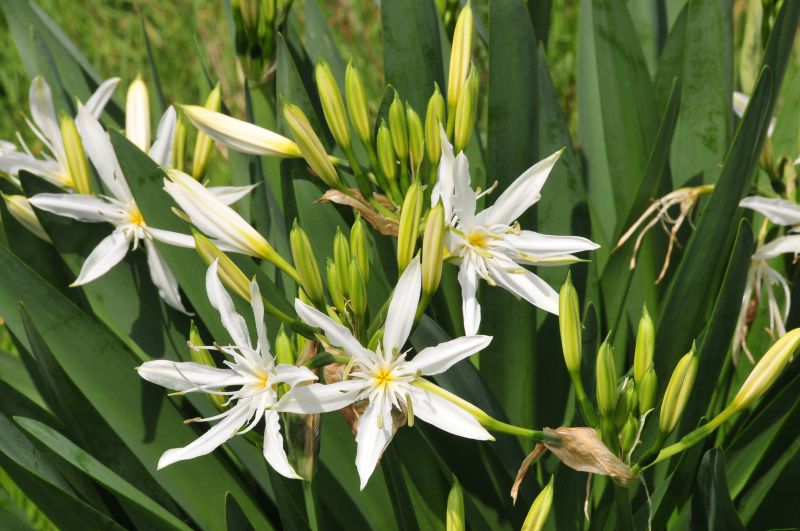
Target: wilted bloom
x=385, y=381
x=117, y=208
x=251, y=371
x=491, y=245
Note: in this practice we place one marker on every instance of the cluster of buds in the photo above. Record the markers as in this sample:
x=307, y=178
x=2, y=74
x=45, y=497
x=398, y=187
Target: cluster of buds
x=256, y=23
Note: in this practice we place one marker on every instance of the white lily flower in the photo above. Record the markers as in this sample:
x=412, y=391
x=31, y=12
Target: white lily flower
x=52, y=166
x=386, y=380
x=251, y=371
x=740, y=102
x=490, y=244
x=119, y=209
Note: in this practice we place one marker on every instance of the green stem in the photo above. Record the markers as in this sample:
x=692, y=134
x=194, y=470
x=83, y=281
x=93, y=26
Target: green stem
x=362, y=181
x=310, y=497
x=587, y=410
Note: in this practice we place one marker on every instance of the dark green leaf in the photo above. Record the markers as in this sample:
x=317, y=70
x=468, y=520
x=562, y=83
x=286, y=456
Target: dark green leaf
x=712, y=507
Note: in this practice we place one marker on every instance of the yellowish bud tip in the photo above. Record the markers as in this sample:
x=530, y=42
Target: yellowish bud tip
x=398, y=126
x=677, y=393
x=540, y=509
x=606, y=381
x=433, y=250
x=332, y=104
x=386, y=155
x=645, y=345
x=76, y=157
x=229, y=273
x=466, y=112
x=357, y=103
x=569, y=322
x=455, y=508
x=408, y=233
x=767, y=370
x=310, y=145
x=306, y=264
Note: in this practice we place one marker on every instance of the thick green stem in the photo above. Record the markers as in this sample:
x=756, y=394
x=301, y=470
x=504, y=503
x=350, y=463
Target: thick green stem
x=587, y=410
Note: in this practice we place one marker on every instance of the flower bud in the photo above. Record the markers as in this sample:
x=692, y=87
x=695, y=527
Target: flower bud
x=310, y=145
x=76, y=157
x=203, y=145
x=386, y=156
x=341, y=259
x=334, y=288
x=606, y=380
x=229, y=273
x=202, y=356
x=179, y=143
x=466, y=111
x=398, y=127
x=416, y=138
x=433, y=250
x=19, y=207
x=645, y=346
x=137, y=114
x=359, y=246
x=767, y=370
x=306, y=264
x=677, y=394
x=460, y=55
x=626, y=403
x=332, y=105
x=434, y=120
x=540, y=509
x=410, y=215
x=569, y=322
x=455, y=508
x=647, y=389
x=357, y=103
x=358, y=289
x=284, y=348
x=627, y=435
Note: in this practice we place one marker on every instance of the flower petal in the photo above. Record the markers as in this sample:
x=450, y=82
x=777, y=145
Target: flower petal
x=337, y=334
x=222, y=302
x=402, y=308
x=161, y=150
x=470, y=308
x=44, y=116
x=778, y=211
x=273, y=446
x=257, y=303
x=98, y=148
x=524, y=284
x=230, y=194
x=740, y=102
x=778, y=246
x=108, y=253
x=84, y=208
x=13, y=162
x=434, y=360
x=162, y=278
x=187, y=375
x=444, y=187
x=373, y=436
x=464, y=197
x=97, y=101
x=172, y=238
x=445, y=415
x=292, y=375
x=319, y=398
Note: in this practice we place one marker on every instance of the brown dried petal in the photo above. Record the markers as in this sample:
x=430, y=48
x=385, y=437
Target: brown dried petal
x=354, y=199
x=581, y=449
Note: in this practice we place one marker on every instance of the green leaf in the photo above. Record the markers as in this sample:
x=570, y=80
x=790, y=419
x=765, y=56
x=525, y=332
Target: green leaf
x=712, y=507
x=786, y=138
x=235, y=518
x=670, y=62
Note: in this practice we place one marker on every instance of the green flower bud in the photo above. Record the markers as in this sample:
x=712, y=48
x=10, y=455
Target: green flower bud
x=767, y=370
x=310, y=145
x=540, y=509
x=179, y=143
x=416, y=138
x=627, y=434
x=203, y=145
x=334, y=288
x=357, y=103
x=466, y=112
x=306, y=264
x=410, y=215
x=386, y=156
x=76, y=157
x=569, y=322
x=677, y=394
x=137, y=115
x=332, y=105
x=648, y=389
x=460, y=56
x=434, y=119
x=626, y=403
x=606, y=379
x=433, y=250
x=455, y=508
x=645, y=346
x=285, y=352
x=359, y=246
x=398, y=127
x=358, y=289
x=229, y=273
x=341, y=258
x=202, y=356
x=19, y=207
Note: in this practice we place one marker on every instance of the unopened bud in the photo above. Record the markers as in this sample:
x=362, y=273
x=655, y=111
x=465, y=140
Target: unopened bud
x=466, y=111
x=310, y=145
x=677, y=394
x=767, y=370
x=137, y=114
x=306, y=264
x=357, y=103
x=433, y=250
x=359, y=246
x=386, y=155
x=626, y=403
x=19, y=207
x=334, y=288
x=398, y=127
x=416, y=138
x=285, y=353
x=179, y=143
x=202, y=356
x=358, y=289
x=647, y=389
x=627, y=435
x=460, y=56
x=569, y=322
x=606, y=381
x=434, y=120
x=341, y=258
x=645, y=346
x=407, y=235
x=76, y=157
x=540, y=509
x=455, y=508
x=332, y=105
x=229, y=273
x=204, y=144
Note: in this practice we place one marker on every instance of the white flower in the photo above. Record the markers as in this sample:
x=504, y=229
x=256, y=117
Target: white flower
x=386, y=380
x=52, y=166
x=490, y=244
x=252, y=371
x=119, y=209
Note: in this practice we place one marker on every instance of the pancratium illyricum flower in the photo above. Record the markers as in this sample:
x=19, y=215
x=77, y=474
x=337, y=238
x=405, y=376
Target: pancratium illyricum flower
x=250, y=379
x=385, y=381
x=118, y=208
x=490, y=244
x=764, y=279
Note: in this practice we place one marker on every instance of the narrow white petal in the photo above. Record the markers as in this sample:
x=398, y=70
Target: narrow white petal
x=779, y=246
x=524, y=284
x=210, y=440
x=222, y=302
x=13, y=162
x=273, y=446
x=172, y=238
x=183, y=376
x=137, y=114
x=84, y=208
x=162, y=278
x=464, y=197
x=445, y=415
x=470, y=308
x=161, y=150
x=779, y=211
x=230, y=194
x=434, y=360
x=292, y=375
x=319, y=398
x=257, y=303
x=44, y=115
x=521, y=195
x=108, y=253
x=98, y=148
x=373, y=436
x=97, y=101
x=444, y=187
x=402, y=308
x=337, y=334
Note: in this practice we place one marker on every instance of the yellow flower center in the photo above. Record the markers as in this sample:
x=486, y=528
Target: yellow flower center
x=136, y=217
x=478, y=239
x=383, y=376
x=263, y=379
